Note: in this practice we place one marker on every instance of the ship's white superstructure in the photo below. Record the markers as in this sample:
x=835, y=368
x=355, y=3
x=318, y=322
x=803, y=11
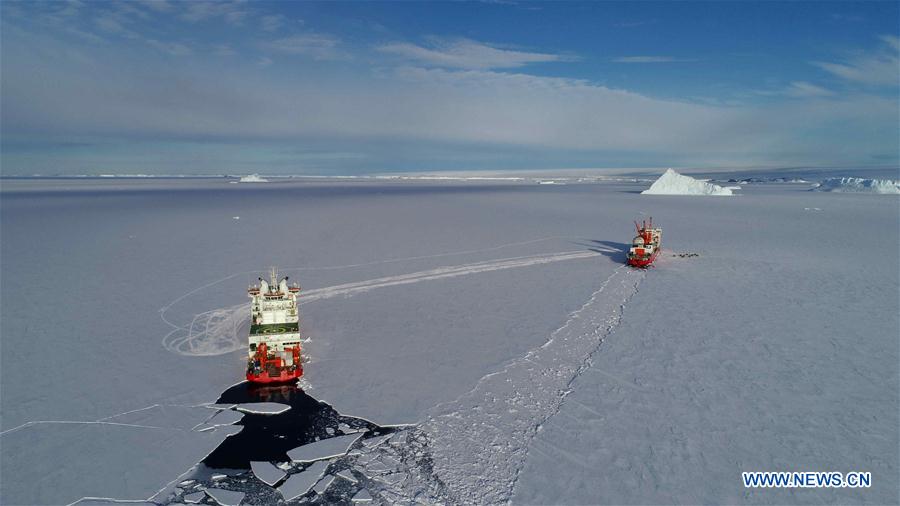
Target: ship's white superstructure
x=274, y=341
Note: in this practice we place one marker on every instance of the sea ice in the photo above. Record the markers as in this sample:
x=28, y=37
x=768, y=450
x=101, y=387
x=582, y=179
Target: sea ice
x=225, y=497
x=323, y=484
x=347, y=475
x=324, y=449
x=194, y=498
x=300, y=483
x=266, y=472
x=225, y=417
x=362, y=496
x=263, y=408
x=673, y=183
x=163, y=416
x=760, y=316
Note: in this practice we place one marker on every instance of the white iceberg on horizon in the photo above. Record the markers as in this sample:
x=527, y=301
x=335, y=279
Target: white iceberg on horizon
x=253, y=178
x=673, y=183
x=858, y=185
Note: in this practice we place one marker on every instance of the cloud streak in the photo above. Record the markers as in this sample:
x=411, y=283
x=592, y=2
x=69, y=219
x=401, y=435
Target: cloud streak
x=650, y=59
x=317, y=46
x=467, y=54
x=879, y=68
x=805, y=89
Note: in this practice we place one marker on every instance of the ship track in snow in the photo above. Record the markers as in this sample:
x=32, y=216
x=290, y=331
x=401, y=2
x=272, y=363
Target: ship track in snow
x=471, y=450
x=217, y=332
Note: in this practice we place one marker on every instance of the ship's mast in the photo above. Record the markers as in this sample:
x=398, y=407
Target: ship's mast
x=274, y=273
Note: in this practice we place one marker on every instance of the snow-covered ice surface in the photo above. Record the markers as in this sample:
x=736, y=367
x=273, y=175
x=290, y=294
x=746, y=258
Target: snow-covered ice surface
x=776, y=349
x=493, y=310
x=859, y=185
x=673, y=183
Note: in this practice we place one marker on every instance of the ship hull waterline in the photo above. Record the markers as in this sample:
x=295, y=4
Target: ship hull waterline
x=643, y=262
x=285, y=376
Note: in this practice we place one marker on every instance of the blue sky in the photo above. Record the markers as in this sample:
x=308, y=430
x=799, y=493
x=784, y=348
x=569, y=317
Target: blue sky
x=163, y=87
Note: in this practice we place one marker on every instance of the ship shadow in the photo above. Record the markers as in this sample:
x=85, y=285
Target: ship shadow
x=615, y=251
x=268, y=437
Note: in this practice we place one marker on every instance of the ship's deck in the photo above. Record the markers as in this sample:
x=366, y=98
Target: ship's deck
x=274, y=328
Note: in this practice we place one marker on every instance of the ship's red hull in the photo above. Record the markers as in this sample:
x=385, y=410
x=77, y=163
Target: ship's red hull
x=643, y=262
x=285, y=375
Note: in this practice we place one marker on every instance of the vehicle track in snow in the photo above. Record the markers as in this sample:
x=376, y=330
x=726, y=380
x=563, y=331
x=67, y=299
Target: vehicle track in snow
x=219, y=331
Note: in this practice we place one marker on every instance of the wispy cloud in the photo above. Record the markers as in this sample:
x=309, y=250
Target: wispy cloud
x=880, y=67
x=272, y=22
x=443, y=96
x=172, y=48
x=651, y=59
x=804, y=89
x=72, y=8
x=157, y=5
x=223, y=50
x=233, y=13
x=318, y=46
x=115, y=23
x=468, y=54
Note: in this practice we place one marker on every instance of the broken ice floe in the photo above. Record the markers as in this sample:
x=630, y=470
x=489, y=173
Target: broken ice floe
x=225, y=497
x=323, y=484
x=194, y=498
x=324, y=449
x=267, y=473
x=263, y=408
x=300, y=483
x=347, y=475
x=362, y=496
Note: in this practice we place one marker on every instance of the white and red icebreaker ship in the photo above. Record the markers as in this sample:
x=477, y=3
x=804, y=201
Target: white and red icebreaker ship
x=645, y=246
x=274, y=342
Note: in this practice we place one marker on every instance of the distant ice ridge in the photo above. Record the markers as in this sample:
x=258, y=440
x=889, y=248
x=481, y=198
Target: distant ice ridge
x=253, y=178
x=859, y=185
x=673, y=183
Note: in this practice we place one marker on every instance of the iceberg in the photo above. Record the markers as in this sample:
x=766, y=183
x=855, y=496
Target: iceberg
x=253, y=178
x=673, y=183
x=859, y=185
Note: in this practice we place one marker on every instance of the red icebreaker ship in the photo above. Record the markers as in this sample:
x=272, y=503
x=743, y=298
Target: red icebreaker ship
x=274, y=354
x=645, y=246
